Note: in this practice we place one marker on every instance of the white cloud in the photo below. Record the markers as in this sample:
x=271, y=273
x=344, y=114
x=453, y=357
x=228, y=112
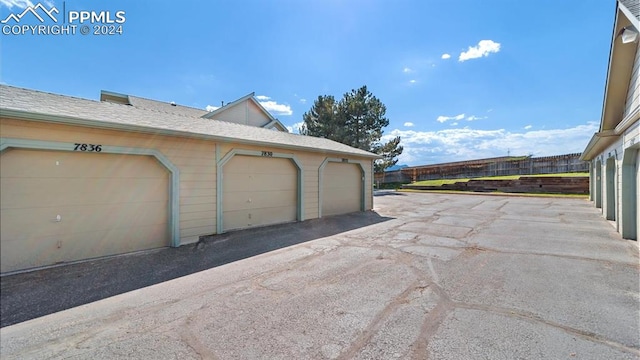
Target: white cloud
x=211, y=108
x=454, y=123
x=407, y=70
x=277, y=109
x=412, y=81
x=446, y=56
x=408, y=124
x=22, y=4
x=273, y=107
x=458, y=144
x=303, y=101
x=473, y=118
x=295, y=128
x=528, y=127
x=443, y=119
x=484, y=48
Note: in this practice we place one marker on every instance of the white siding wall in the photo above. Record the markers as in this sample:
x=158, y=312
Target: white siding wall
x=608, y=153
x=633, y=94
x=637, y=189
x=630, y=138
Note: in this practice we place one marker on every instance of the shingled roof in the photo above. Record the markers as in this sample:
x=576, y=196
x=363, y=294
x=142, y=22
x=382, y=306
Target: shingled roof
x=41, y=106
x=170, y=108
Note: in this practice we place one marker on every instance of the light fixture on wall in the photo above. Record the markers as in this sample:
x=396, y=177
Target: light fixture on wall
x=628, y=35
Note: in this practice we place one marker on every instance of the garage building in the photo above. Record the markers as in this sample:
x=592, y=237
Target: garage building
x=82, y=179
x=613, y=152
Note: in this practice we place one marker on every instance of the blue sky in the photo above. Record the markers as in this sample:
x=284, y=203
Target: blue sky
x=461, y=79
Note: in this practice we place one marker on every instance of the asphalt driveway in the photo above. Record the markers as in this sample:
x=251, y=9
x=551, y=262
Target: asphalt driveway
x=426, y=276
x=33, y=294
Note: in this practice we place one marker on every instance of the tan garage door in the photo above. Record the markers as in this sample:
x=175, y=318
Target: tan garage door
x=63, y=206
x=259, y=191
x=341, y=188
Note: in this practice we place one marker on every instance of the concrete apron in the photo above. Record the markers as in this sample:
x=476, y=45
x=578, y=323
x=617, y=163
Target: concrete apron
x=449, y=277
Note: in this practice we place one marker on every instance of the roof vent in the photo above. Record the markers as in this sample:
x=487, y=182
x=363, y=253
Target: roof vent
x=173, y=103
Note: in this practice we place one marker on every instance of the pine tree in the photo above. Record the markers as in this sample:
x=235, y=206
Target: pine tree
x=356, y=120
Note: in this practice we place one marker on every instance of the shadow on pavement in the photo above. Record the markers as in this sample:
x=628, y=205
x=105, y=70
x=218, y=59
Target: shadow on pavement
x=388, y=192
x=30, y=295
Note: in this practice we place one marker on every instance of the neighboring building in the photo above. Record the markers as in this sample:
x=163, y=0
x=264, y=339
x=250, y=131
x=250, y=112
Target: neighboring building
x=82, y=179
x=613, y=150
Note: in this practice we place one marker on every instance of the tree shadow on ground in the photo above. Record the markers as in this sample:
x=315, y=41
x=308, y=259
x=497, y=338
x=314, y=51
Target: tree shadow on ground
x=37, y=293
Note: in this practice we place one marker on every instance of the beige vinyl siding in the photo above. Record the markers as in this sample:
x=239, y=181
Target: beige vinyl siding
x=255, y=116
x=195, y=160
x=246, y=113
x=310, y=165
x=633, y=94
x=60, y=206
x=235, y=114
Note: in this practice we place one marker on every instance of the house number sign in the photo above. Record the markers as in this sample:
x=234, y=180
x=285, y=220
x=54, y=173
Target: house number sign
x=87, y=147
x=267, y=153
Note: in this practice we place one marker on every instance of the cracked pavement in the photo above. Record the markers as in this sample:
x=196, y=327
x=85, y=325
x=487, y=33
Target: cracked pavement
x=445, y=277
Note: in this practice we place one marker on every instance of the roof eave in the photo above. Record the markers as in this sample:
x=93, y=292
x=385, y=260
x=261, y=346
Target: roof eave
x=598, y=143
x=274, y=123
x=612, y=100
x=69, y=120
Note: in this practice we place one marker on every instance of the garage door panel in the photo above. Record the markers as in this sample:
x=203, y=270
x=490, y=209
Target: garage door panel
x=38, y=192
x=236, y=201
x=77, y=246
x=237, y=219
x=241, y=219
x=96, y=217
x=116, y=204
x=237, y=167
x=272, y=198
x=258, y=165
x=241, y=182
x=276, y=166
x=341, y=188
x=273, y=215
x=277, y=181
x=41, y=251
x=235, y=184
x=77, y=164
x=259, y=191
